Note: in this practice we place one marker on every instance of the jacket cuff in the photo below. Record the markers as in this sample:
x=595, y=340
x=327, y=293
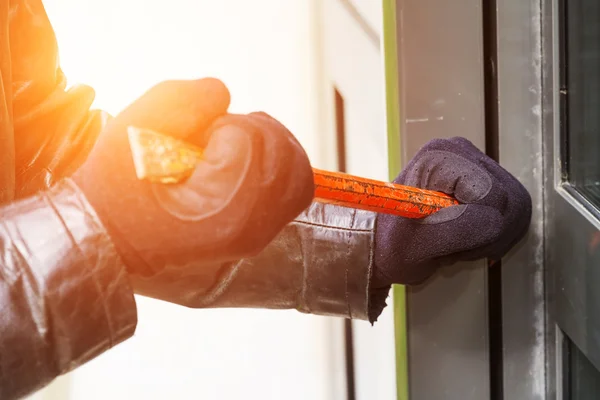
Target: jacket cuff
x=66, y=297
x=321, y=263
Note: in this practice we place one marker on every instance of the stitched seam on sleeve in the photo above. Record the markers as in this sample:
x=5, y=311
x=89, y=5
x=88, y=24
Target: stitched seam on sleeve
x=370, y=270
x=304, y=306
x=349, y=254
x=222, y=284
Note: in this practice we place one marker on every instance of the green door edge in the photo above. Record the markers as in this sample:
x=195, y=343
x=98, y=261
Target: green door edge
x=392, y=101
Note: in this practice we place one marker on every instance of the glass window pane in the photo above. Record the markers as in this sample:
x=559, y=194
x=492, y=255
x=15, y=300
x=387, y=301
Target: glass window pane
x=582, y=379
x=581, y=91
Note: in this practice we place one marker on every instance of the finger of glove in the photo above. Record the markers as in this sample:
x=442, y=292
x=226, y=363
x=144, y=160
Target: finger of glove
x=285, y=170
x=287, y=181
x=518, y=209
x=174, y=108
x=218, y=177
x=178, y=108
x=448, y=173
x=237, y=190
x=221, y=196
x=277, y=143
x=507, y=195
x=405, y=248
x=456, y=167
x=279, y=139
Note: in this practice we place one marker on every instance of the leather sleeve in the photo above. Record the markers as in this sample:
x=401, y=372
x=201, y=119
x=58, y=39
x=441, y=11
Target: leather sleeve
x=54, y=128
x=321, y=263
x=64, y=296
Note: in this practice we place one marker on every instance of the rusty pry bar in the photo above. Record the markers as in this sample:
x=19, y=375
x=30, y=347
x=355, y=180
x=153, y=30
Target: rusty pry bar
x=382, y=197
x=161, y=159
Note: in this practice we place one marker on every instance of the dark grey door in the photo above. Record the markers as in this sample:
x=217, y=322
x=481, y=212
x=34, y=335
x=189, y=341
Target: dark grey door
x=572, y=142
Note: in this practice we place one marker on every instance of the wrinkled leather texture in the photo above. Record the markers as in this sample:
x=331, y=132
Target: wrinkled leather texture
x=320, y=264
x=64, y=295
x=45, y=130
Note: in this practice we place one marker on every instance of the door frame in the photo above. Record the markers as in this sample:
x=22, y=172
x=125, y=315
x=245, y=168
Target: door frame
x=521, y=152
x=441, y=327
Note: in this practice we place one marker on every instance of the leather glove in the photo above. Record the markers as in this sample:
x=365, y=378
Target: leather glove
x=494, y=215
x=254, y=179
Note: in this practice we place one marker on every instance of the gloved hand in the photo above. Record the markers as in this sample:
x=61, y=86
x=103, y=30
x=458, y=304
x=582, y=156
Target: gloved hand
x=254, y=179
x=494, y=215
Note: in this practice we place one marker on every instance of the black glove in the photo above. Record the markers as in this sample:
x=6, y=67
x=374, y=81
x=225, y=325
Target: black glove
x=254, y=179
x=494, y=215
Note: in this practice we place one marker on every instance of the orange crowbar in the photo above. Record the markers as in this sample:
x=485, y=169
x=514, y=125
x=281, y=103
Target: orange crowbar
x=160, y=158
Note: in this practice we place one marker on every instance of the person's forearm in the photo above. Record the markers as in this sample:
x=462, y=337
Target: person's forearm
x=64, y=295
x=321, y=263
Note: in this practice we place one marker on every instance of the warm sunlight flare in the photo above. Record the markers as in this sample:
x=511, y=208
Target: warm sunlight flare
x=121, y=48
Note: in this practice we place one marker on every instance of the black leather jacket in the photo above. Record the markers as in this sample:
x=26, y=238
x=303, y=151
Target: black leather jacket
x=64, y=295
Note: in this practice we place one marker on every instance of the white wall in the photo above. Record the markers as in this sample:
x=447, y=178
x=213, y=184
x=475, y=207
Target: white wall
x=262, y=50
x=354, y=64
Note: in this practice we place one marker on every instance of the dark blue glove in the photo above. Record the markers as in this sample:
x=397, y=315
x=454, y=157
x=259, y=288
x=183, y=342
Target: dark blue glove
x=494, y=215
